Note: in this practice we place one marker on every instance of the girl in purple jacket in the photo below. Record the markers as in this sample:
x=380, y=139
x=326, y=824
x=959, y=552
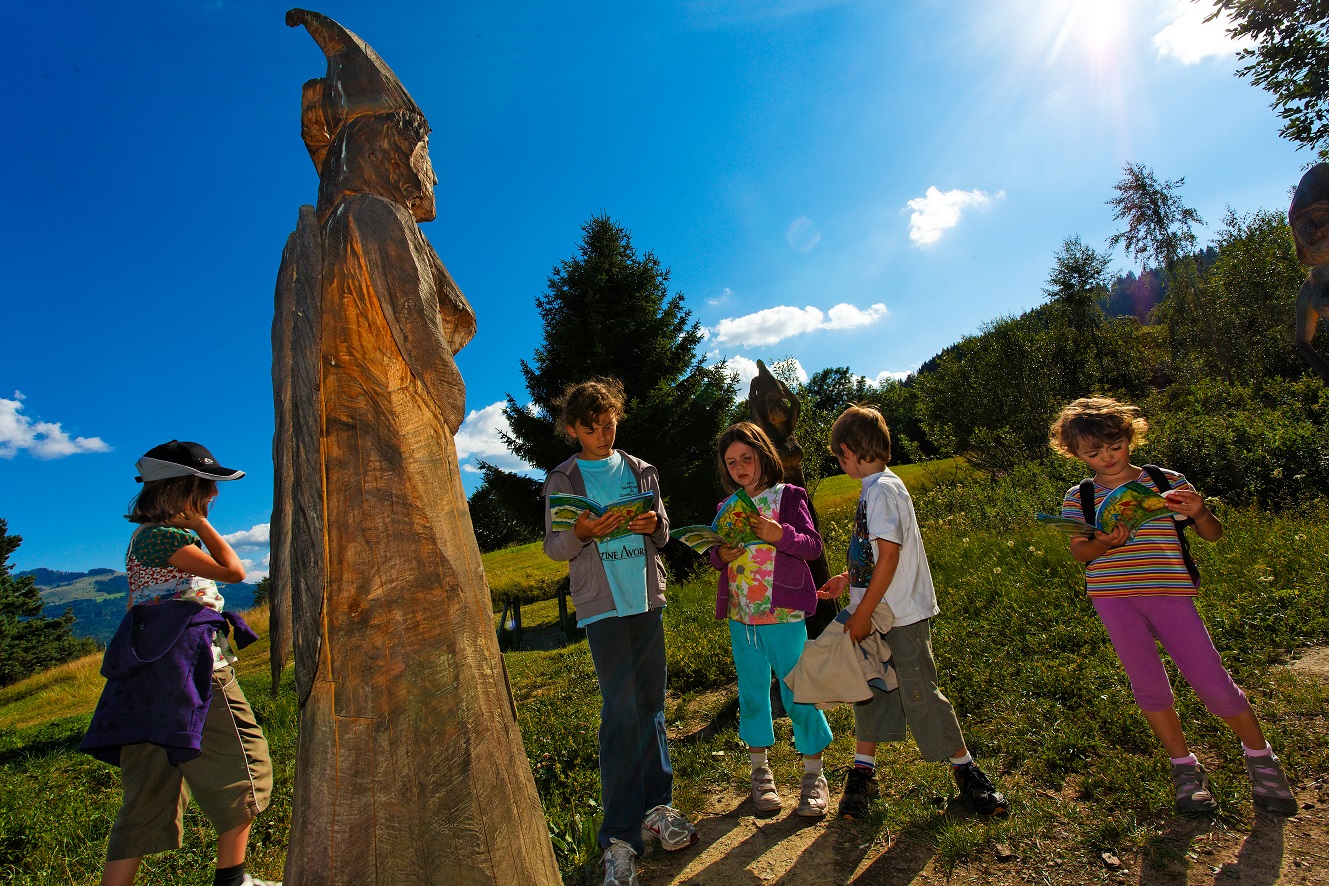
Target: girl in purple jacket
x=765, y=590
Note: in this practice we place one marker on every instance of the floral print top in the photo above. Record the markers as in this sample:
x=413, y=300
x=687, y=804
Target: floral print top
x=152, y=578
x=752, y=575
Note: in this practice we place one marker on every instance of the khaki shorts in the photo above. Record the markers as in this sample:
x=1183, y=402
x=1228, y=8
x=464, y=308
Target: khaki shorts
x=231, y=780
x=917, y=703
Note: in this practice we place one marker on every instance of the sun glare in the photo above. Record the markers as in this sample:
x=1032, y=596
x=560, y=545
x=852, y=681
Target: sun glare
x=1089, y=28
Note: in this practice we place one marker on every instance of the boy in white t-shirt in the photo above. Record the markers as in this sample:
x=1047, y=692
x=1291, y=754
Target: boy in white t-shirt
x=888, y=570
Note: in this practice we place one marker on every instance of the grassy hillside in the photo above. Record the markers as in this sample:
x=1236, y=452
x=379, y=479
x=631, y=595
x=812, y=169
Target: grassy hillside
x=1041, y=697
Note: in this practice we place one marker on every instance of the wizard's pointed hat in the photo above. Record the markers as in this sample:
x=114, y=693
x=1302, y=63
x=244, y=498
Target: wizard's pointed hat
x=358, y=82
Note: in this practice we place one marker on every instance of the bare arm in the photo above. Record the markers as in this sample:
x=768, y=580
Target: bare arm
x=883, y=572
x=219, y=562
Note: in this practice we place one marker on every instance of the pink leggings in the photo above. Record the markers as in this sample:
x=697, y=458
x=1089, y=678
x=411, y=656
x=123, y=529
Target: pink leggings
x=1133, y=624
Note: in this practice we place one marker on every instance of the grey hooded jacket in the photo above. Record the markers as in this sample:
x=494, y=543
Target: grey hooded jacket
x=589, y=583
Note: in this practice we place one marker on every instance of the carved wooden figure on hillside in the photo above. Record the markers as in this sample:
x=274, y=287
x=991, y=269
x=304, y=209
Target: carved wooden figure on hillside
x=410, y=767
x=1309, y=217
x=775, y=409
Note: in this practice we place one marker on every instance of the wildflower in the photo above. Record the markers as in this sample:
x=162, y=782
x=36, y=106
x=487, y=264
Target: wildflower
x=965, y=540
x=996, y=570
x=1266, y=578
x=1010, y=544
x=1301, y=536
x=1031, y=547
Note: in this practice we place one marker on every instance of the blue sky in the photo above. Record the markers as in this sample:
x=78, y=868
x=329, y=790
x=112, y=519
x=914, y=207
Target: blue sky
x=843, y=183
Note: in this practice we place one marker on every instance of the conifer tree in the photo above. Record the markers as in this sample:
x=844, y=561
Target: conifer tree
x=607, y=311
x=28, y=642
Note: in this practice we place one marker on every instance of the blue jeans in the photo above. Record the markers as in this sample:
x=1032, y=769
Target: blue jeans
x=635, y=774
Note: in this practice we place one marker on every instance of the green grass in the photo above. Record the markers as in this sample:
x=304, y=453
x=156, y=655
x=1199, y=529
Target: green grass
x=1041, y=697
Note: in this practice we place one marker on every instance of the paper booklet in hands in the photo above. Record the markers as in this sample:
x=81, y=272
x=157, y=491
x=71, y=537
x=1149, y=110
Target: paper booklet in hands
x=565, y=508
x=732, y=526
x=1131, y=503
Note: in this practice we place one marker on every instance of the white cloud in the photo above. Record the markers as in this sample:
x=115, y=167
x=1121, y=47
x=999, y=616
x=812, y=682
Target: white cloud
x=889, y=375
x=745, y=370
x=258, y=536
x=478, y=437
x=257, y=569
x=937, y=212
x=1190, y=39
x=42, y=439
x=771, y=325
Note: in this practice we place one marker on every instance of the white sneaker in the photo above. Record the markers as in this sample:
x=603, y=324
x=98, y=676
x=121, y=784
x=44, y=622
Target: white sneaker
x=814, y=796
x=620, y=864
x=764, y=795
x=251, y=880
x=669, y=826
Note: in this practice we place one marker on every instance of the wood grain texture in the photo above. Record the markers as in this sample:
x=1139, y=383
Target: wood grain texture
x=410, y=765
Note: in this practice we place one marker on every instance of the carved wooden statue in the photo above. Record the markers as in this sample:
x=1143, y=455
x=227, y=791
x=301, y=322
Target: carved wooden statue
x=1309, y=217
x=410, y=767
x=775, y=408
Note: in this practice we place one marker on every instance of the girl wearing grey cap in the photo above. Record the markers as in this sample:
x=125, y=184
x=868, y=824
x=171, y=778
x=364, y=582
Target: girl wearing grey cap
x=172, y=715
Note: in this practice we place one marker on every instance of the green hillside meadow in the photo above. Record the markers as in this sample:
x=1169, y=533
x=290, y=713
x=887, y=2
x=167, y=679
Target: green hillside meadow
x=1042, y=699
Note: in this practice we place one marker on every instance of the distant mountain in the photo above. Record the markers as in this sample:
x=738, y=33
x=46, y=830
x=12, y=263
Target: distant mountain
x=97, y=598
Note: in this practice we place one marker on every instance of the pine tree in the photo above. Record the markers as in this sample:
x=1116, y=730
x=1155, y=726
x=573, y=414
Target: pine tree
x=608, y=312
x=28, y=642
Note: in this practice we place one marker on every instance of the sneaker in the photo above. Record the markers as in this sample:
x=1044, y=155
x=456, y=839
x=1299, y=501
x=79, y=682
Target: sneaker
x=764, y=796
x=814, y=796
x=1191, y=783
x=669, y=826
x=860, y=789
x=1269, y=787
x=978, y=789
x=620, y=864
x=251, y=880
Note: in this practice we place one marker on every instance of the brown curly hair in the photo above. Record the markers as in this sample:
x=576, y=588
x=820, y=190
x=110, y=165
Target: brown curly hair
x=160, y=500
x=1096, y=420
x=583, y=403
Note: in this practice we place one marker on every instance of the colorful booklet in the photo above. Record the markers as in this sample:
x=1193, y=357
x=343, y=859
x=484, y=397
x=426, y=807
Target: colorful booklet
x=730, y=527
x=1131, y=503
x=565, y=508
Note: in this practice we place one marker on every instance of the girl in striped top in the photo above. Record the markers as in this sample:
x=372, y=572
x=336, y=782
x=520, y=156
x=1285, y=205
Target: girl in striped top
x=1142, y=590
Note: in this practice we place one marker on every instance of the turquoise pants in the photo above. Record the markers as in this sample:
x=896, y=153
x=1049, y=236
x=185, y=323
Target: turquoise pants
x=759, y=649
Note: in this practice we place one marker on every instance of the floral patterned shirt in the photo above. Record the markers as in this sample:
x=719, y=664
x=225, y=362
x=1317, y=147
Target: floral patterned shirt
x=752, y=575
x=153, y=579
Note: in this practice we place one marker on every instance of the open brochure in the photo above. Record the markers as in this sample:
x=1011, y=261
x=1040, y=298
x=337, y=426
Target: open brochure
x=1131, y=503
x=565, y=508
x=731, y=526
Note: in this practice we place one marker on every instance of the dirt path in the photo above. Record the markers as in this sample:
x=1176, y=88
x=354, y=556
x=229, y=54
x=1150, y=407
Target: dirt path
x=738, y=848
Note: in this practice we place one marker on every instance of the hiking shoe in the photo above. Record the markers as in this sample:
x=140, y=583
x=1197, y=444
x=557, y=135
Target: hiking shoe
x=620, y=864
x=1191, y=783
x=860, y=789
x=814, y=796
x=669, y=826
x=1269, y=787
x=978, y=789
x=764, y=796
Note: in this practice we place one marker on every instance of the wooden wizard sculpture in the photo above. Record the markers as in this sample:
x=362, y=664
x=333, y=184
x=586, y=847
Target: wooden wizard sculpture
x=1309, y=217
x=410, y=767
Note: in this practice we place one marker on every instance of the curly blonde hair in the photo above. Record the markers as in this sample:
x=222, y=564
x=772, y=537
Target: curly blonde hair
x=1096, y=420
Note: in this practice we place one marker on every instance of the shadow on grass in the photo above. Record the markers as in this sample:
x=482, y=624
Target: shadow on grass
x=1260, y=858
x=1166, y=861
x=60, y=737
x=904, y=859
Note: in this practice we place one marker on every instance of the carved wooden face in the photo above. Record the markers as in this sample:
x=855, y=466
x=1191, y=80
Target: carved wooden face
x=422, y=205
x=1311, y=228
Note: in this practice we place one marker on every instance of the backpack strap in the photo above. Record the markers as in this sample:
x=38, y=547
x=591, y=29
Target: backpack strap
x=1161, y=481
x=1087, y=501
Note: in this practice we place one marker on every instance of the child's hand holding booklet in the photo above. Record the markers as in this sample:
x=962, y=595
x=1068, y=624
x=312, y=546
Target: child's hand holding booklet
x=1133, y=504
x=732, y=526
x=565, y=508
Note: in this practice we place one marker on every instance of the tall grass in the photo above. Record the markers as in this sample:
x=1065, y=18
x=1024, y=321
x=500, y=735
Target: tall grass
x=1040, y=694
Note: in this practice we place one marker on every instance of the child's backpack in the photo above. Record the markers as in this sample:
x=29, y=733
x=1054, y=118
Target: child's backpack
x=1161, y=481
